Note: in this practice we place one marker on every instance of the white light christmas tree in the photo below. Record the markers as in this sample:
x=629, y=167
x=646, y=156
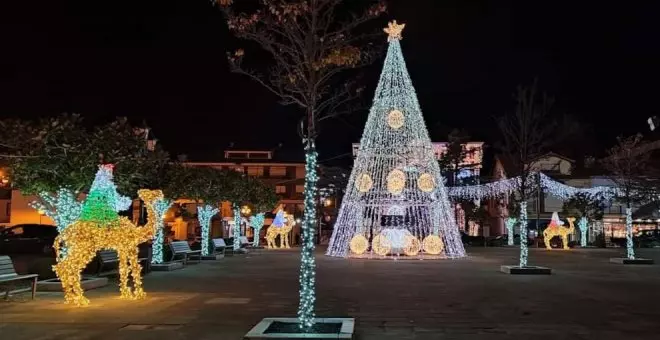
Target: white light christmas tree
x=395, y=188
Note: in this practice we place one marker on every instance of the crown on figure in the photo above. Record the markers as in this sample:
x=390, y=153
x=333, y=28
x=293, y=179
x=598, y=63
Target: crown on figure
x=394, y=30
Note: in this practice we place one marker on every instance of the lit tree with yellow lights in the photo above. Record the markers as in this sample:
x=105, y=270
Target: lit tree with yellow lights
x=396, y=201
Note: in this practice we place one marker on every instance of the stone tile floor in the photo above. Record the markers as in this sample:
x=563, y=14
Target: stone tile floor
x=586, y=298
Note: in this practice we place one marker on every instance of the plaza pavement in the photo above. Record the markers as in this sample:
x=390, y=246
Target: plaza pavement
x=585, y=298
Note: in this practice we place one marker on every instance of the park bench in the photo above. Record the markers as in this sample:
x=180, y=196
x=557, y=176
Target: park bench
x=8, y=274
x=110, y=257
x=244, y=242
x=219, y=246
x=182, y=249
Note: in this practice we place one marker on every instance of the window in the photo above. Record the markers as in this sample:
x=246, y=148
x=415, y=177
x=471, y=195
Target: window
x=255, y=171
x=277, y=171
x=280, y=189
x=300, y=188
x=300, y=171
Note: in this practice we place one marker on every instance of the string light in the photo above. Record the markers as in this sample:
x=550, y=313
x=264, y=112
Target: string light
x=381, y=245
x=257, y=222
x=364, y=183
x=630, y=252
x=524, y=252
x=413, y=246
x=510, y=223
x=425, y=182
x=395, y=153
x=159, y=207
x=97, y=229
x=556, y=229
x=237, y=228
x=395, y=119
x=433, y=244
x=508, y=186
x=583, y=224
x=359, y=244
x=204, y=215
x=63, y=207
x=307, y=277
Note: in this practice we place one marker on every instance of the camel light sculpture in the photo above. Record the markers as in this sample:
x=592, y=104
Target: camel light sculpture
x=556, y=228
x=99, y=227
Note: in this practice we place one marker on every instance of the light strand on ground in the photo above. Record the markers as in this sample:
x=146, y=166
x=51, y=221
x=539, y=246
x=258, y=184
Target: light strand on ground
x=307, y=277
x=204, y=215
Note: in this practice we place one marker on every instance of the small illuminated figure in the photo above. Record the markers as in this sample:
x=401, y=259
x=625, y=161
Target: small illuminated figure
x=556, y=228
x=281, y=226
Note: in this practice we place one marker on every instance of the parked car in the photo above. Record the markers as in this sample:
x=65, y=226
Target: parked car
x=27, y=238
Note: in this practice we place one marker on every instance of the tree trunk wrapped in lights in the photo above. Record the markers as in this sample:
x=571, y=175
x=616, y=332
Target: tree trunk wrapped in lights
x=396, y=186
x=510, y=224
x=583, y=225
x=237, y=227
x=257, y=222
x=204, y=215
x=160, y=207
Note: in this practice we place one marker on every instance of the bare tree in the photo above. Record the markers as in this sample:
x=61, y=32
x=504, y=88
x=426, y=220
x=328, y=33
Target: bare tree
x=629, y=165
x=311, y=43
x=526, y=134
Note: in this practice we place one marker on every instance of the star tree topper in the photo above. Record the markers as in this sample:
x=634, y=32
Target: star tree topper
x=394, y=30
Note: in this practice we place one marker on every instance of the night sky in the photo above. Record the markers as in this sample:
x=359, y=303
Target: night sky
x=164, y=62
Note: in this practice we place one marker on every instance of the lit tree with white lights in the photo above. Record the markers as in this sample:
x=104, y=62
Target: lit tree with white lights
x=311, y=44
x=526, y=133
x=629, y=165
x=587, y=208
x=395, y=193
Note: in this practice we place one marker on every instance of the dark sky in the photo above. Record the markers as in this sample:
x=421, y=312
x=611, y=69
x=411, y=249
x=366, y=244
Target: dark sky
x=164, y=61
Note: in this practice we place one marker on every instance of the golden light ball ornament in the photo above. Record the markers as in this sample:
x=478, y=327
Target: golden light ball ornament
x=426, y=182
x=364, y=183
x=433, y=244
x=395, y=119
x=381, y=245
x=359, y=244
x=413, y=246
x=396, y=181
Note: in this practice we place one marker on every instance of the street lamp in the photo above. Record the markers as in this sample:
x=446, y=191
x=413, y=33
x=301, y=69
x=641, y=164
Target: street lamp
x=245, y=210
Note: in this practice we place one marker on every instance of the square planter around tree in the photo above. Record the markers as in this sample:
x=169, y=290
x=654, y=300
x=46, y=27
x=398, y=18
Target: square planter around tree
x=287, y=328
x=625, y=260
x=527, y=270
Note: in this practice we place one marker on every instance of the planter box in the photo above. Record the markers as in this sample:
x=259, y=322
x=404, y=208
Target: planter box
x=166, y=266
x=287, y=328
x=624, y=260
x=529, y=270
x=87, y=283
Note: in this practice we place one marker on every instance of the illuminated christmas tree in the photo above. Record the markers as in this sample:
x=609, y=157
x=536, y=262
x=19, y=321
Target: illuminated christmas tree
x=103, y=200
x=396, y=201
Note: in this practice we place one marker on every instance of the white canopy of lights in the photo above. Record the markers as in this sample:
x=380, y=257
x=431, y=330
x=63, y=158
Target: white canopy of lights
x=506, y=187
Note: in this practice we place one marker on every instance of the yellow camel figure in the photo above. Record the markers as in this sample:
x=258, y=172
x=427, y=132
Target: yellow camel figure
x=281, y=231
x=84, y=238
x=555, y=229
